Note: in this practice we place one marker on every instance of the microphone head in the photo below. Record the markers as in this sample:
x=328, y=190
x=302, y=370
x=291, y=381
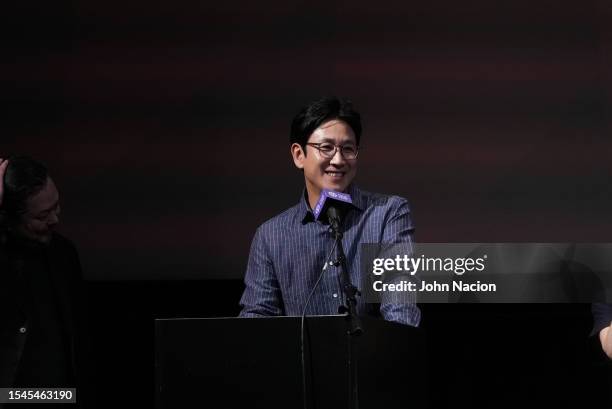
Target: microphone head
x=330, y=198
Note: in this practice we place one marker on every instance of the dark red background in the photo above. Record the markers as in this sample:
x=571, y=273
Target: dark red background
x=166, y=125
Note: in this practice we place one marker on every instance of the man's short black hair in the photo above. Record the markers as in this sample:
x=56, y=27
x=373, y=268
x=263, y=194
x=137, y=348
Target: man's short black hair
x=315, y=113
x=24, y=177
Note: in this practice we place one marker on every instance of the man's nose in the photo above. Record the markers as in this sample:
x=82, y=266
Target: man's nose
x=337, y=159
x=53, y=219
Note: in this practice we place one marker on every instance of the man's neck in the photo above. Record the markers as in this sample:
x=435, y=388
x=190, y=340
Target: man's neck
x=313, y=198
x=25, y=242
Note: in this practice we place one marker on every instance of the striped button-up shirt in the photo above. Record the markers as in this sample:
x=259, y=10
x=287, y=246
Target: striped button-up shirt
x=289, y=251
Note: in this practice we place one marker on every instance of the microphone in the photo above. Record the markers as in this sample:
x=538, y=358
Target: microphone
x=334, y=215
x=332, y=205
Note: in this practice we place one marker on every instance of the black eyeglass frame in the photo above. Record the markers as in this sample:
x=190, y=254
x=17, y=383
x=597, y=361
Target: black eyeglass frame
x=330, y=155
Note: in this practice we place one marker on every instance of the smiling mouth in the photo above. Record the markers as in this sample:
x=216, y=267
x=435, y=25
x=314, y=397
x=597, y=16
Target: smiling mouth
x=335, y=174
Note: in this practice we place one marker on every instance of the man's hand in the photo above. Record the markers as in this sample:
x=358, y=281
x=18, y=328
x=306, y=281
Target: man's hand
x=605, y=336
x=3, y=165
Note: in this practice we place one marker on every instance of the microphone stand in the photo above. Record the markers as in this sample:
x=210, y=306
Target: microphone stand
x=350, y=291
x=350, y=309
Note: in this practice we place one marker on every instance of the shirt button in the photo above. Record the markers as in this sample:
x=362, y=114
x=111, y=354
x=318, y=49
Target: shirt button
x=335, y=295
x=22, y=330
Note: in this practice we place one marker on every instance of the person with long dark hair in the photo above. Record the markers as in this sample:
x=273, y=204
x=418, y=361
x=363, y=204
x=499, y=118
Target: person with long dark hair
x=40, y=282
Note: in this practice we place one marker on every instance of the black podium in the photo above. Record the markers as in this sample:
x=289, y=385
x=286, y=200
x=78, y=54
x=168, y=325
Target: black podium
x=227, y=363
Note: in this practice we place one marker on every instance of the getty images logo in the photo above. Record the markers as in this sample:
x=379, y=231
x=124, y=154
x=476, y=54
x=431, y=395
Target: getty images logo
x=413, y=265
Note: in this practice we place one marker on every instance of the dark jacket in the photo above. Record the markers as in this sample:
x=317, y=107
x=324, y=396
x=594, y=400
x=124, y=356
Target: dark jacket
x=62, y=262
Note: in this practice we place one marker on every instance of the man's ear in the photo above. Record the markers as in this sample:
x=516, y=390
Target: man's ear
x=298, y=155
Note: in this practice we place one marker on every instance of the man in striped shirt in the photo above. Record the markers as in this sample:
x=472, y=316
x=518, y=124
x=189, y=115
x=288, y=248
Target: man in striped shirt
x=288, y=251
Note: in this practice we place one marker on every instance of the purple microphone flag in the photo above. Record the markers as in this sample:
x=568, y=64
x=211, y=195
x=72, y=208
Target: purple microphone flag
x=330, y=194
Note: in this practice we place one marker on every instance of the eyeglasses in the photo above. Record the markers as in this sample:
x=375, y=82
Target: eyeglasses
x=328, y=150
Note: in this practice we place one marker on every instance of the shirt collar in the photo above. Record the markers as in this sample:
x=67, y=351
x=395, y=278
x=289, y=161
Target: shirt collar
x=308, y=216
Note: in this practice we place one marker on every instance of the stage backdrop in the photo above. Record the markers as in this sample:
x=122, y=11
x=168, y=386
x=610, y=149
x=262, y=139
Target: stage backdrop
x=166, y=126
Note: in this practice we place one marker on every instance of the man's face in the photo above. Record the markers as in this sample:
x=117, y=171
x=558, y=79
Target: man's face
x=335, y=173
x=42, y=214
